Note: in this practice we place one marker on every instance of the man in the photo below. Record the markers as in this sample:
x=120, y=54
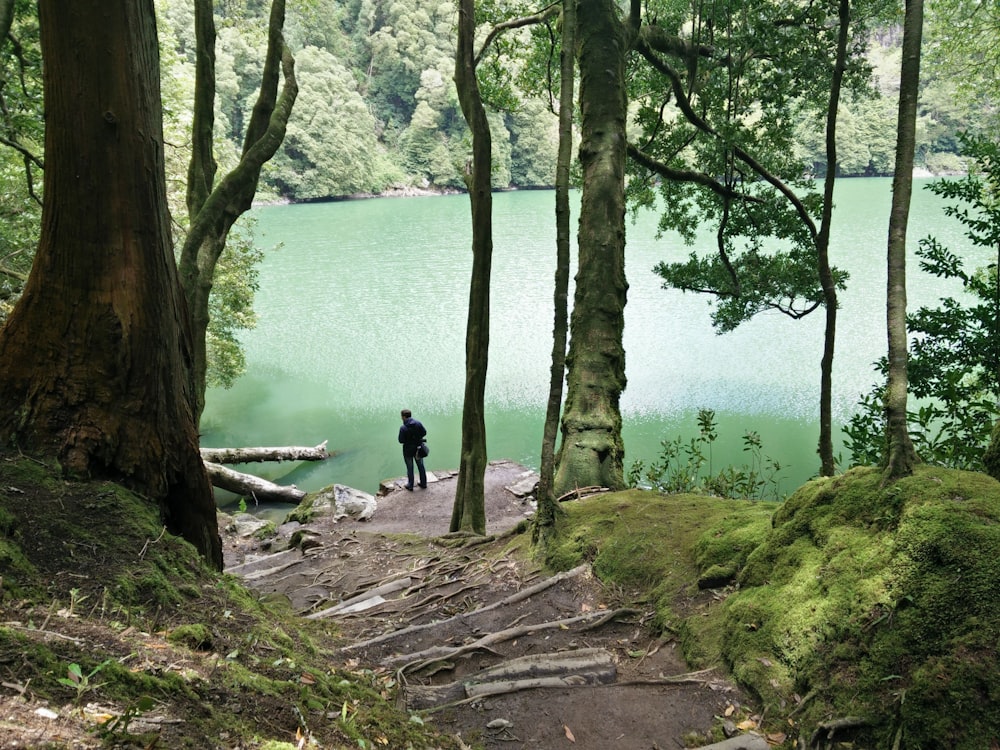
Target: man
x=411, y=435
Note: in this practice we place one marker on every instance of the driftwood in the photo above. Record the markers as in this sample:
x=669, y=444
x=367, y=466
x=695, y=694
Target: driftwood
x=247, y=485
x=587, y=666
x=259, y=455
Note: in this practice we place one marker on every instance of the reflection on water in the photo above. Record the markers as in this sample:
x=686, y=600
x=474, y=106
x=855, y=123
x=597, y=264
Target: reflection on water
x=363, y=311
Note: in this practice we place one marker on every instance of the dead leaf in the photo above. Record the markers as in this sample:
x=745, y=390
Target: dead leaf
x=569, y=734
x=585, y=607
x=765, y=661
x=746, y=725
x=307, y=679
x=730, y=709
x=776, y=738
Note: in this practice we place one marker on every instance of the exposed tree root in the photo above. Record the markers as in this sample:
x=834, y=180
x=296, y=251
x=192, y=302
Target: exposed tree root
x=591, y=666
x=824, y=733
x=414, y=661
x=507, y=601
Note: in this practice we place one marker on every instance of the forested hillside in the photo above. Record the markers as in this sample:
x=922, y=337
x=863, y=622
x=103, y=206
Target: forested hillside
x=378, y=110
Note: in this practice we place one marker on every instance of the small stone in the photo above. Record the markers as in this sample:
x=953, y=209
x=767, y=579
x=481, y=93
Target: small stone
x=500, y=724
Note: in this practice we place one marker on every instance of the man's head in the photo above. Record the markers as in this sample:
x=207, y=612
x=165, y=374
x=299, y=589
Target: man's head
x=405, y=414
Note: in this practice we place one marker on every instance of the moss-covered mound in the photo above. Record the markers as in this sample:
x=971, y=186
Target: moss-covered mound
x=115, y=634
x=880, y=605
x=872, y=613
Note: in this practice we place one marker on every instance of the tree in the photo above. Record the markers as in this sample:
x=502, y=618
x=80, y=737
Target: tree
x=953, y=366
x=94, y=358
x=469, y=513
x=722, y=152
x=213, y=207
x=548, y=504
x=901, y=455
x=592, y=450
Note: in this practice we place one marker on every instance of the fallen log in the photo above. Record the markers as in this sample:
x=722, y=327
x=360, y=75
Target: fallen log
x=247, y=485
x=259, y=455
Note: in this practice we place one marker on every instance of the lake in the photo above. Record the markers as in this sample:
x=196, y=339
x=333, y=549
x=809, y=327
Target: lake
x=362, y=309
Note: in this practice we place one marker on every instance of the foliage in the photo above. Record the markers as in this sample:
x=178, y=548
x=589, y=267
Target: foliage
x=687, y=467
x=330, y=147
x=80, y=682
x=954, y=363
x=21, y=144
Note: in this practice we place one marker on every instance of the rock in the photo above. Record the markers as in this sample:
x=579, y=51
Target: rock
x=525, y=484
x=242, y=524
x=354, y=503
x=748, y=741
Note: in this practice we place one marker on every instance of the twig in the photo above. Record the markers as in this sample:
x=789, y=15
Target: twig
x=145, y=547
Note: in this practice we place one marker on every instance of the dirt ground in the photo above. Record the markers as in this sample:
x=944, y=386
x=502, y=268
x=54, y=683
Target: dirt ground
x=582, y=670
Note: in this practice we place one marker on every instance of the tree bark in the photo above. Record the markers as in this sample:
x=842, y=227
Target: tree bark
x=902, y=456
x=827, y=465
x=213, y=209
x=94, y=358
x=592, y=450
x=548, y=509
x=248, y=485
x=469, y=512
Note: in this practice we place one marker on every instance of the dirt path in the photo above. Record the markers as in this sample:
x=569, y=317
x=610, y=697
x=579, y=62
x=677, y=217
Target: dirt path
x=496, y=651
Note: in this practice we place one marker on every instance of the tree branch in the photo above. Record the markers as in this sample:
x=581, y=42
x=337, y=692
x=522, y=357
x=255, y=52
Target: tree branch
x=515, y=23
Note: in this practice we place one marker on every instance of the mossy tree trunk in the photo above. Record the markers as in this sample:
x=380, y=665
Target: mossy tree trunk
x=214, y=208
x=548, y=507
x=592, y=451
x=94, y=359
x=901, y=456
x=469, y=511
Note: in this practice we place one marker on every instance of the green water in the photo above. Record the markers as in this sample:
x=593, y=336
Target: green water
x=363, y=310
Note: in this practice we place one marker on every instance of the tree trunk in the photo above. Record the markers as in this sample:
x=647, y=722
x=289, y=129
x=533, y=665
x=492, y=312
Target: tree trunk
x=901, y=456
x=827, y=466
x=469, y=512
x=213, y=209
x=548, y=508
x=93, y=359
x=592, y=451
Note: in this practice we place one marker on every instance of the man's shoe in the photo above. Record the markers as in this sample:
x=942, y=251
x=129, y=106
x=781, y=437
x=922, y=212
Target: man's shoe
x=423, y=486
x=408, y=487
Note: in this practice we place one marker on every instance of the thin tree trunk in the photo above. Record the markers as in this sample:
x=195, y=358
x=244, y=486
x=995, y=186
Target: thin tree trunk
x=901, y=456
x=826, y=460
x=93, y=359
x=548, y=507
x=469, y=512
x=592, y=450
x=213, y=209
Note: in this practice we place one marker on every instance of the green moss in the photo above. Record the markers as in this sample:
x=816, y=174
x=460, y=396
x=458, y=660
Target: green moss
x=875, y=602
x=196, y=637
x=661, y=546
x=882, y=600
